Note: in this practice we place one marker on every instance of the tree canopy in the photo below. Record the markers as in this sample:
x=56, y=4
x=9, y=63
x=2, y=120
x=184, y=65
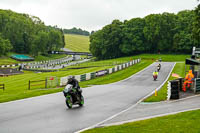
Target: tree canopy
x=77, y=31
x=155, y=33
x=27, y=34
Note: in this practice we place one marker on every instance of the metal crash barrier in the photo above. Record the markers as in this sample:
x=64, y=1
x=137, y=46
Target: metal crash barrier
x=197, y=85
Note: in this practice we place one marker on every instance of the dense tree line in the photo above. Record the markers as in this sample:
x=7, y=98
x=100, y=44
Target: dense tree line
x=27, y=34
x=155, y=33
x=77, y=31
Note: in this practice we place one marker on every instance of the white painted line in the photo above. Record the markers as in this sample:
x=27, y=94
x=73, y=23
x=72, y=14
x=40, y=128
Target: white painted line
x=149, y=117
x=96, y=125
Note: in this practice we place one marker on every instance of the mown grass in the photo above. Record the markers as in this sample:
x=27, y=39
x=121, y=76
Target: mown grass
x=17, y=85
x=6, y=60
x=162, y=93
x=164, y=57
x=186, y=122
x=49, y=57
x=78, y=43
x=117, y=76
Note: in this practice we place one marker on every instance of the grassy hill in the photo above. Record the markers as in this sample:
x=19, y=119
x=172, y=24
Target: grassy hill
x=77, y=43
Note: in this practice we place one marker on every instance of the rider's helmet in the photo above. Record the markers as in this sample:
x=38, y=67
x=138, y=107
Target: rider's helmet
x=70, y=78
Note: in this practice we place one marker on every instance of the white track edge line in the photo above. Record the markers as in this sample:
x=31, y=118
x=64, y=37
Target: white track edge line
x=149, y=117
x=109, y=118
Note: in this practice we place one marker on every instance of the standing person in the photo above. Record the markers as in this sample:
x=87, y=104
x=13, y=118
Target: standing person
x=189, y=78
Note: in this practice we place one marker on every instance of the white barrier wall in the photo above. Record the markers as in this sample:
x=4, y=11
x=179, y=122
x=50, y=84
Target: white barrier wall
x=120, y=67
x=63, y=80
x=88, y=76
x=116, y=68
x=110, y=70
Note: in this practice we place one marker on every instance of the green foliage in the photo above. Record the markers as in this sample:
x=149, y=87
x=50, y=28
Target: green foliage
x=5, y=46
x=78, y=43
x=178, y=123
x=156, y=33
x=76, y=31
x=196, y=29
x=28, y=34
x=105, y=44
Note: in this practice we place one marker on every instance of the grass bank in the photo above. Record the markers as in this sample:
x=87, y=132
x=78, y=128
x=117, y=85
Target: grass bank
x=17, y=85
x=78, y=43
x=186, y=122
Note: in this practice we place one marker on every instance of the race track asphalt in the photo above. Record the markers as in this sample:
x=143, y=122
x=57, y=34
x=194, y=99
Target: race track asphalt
x=49, y=114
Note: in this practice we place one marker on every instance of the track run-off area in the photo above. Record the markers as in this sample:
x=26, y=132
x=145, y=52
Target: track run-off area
x=49, y=114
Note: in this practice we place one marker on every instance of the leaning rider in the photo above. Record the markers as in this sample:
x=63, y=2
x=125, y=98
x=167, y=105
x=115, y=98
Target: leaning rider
x=159, y=66
x=74, y=83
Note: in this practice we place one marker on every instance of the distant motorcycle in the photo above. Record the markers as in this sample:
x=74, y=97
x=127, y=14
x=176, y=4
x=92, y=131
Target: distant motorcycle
x=72, y=97
x=158, y=68
x=155, y=77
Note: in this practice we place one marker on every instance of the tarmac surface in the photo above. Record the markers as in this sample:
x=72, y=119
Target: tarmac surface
x=49, y=114
x=146, y=111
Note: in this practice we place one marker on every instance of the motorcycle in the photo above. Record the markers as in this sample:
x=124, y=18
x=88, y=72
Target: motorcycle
x=155, y=77
x=158, y=68
x=72, y=96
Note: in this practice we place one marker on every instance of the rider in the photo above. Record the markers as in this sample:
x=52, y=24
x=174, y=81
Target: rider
x=74, y=83
x=159, y=66
x=155, y=73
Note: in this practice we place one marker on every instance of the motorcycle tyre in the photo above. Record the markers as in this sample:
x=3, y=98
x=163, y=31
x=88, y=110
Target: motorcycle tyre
x=68, y=101
x=82, y=101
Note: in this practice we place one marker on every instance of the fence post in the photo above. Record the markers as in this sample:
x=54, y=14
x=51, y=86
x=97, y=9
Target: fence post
x=46, y=83
x=29, y=85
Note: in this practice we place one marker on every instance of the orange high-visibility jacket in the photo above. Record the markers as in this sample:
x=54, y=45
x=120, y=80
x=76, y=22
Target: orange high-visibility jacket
x=189, y=77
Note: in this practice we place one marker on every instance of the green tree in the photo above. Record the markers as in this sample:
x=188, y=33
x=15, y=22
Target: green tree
x=5, y=45
x=196, y=29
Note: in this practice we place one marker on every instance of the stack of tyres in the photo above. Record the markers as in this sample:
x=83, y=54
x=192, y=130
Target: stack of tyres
x=174, y=89
x=180, y=83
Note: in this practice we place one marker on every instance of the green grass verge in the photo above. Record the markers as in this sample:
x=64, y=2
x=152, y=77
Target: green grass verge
x=78, y=43
x=164, y=57
x=162, y=93
x=117, y=76
x=49, y=57
x=17, y=85
x=186, y=122
x=6, y=60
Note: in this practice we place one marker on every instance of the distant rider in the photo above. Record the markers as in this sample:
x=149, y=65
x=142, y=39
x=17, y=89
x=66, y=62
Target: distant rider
x=159, y=67
x=155, y=74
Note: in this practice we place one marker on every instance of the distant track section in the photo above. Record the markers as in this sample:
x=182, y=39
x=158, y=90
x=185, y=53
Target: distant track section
x=70, y=53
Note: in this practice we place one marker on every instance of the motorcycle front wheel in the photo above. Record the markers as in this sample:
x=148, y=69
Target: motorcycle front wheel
x=69, y=101
x=82, y=101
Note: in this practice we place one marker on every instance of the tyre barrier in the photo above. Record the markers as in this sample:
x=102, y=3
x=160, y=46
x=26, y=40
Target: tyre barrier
x=173, y=89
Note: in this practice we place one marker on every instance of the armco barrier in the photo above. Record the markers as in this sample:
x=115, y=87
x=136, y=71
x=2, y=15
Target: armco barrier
x=88, y=76
x=83, y=77
x=93, y=75
x=197, y=85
